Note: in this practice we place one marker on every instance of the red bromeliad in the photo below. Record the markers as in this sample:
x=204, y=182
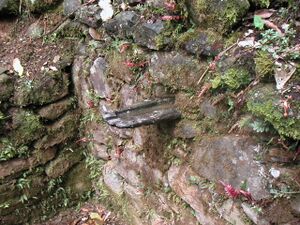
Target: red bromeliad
x=235, y=193
x=131, y=64
x=171, y=18
x=90, y=104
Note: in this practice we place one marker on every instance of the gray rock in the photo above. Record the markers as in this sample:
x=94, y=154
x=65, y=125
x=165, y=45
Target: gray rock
x=63, y=162
x=295, y=204
x=16, y=165
x=208, y=109
x=204, y=45
x=196, y=198
x=185, y=130
x=99, y=78
x=121, y=25
x=253, y=215
x=145, y=113
x=55, y=110
x=113, y=180
x=89, y=15
x=6, y=87
x=60, y=131
x=231, y=159
x=70, y=6
x=176, y=70
x=146, y=34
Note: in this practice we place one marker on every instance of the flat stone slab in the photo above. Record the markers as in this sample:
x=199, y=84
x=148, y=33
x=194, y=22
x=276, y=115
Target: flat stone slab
x=144, y=113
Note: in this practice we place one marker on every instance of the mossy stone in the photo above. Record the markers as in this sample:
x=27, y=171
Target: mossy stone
x=265, y=101
x=27, y=127
x=38, y=6
x=220, y=15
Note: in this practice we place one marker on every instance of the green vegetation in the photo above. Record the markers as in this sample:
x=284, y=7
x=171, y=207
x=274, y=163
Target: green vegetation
x=233, y=79
x=264, y=65
x=10, y=150
x=264, y=102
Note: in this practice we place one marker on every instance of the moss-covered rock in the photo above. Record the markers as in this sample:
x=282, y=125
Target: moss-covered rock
x=232, y=79
x=220, y=15
x=60, y=131
x=265, y=101
x=47, y=88
x=39, y=6
x=26, y=126
x=9, y=6
x=6, y=87
x=63, y=162
x=264, y=65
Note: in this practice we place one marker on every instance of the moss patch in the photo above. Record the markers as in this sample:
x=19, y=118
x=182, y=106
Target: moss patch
x=232, y=79
x=27, y=127
x=266, y=103
x=264, y=64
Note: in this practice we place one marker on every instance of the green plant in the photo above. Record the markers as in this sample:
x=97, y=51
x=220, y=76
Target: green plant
x=260, y=126
x=278, y=45
x=23, y=182
x=9, y=150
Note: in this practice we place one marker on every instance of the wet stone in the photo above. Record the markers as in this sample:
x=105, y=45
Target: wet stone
x=145, y=113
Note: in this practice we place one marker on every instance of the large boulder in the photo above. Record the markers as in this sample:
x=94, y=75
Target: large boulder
x=230, y=159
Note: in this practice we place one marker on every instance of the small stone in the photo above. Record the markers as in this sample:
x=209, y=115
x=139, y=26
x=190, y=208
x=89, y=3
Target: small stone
x=70, y=6
x=89, y=15
x=147, y=34
x=122, y=24
x=275, y=173
x=185, y=130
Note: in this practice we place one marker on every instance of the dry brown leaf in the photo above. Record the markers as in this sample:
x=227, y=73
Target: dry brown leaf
x=264, y=13
x=95, y=34
x=283, y=73
x=273, y=26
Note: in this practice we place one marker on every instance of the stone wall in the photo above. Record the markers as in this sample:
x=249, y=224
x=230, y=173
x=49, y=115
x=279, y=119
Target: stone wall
x=200, y=158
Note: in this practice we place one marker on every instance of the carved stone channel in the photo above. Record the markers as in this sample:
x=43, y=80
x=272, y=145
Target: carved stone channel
x=144, y=113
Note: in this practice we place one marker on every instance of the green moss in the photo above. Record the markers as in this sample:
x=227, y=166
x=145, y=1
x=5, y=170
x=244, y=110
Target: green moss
x=221, y=15
x=266, y=103
x=264, y=64
x=232, y=79
x=262, y=3
x=28, y=127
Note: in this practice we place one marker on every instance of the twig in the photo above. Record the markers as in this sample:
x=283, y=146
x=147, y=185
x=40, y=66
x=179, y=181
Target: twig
x=217, y=57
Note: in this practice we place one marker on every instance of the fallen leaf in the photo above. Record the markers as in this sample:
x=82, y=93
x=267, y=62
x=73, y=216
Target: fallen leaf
x=283, y=72
x=56, y=59
x=273, y=26
x=248, y=42
x=96, y=218
x=265, y=13
x=18, y=67
x=95, y=34
x=53, y=68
